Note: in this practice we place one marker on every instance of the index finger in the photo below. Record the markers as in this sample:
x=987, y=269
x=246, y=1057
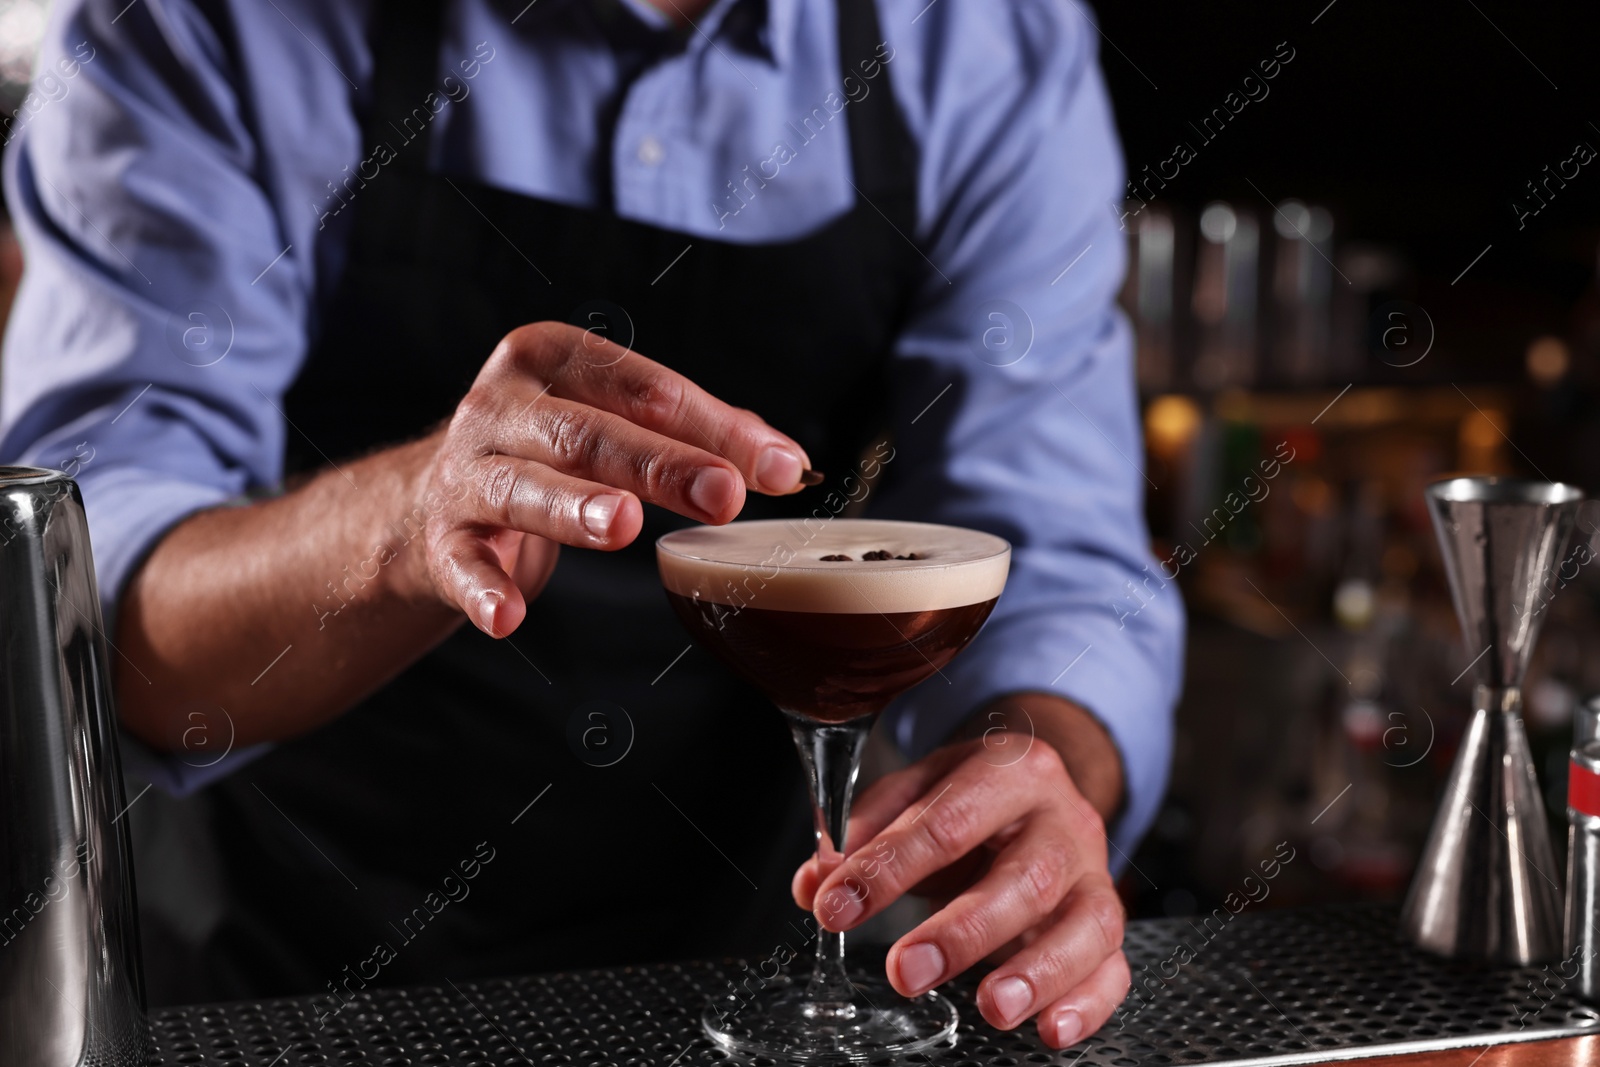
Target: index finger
x=886, y=799
x=969, y=806
x=585, y=367
x=874, y=808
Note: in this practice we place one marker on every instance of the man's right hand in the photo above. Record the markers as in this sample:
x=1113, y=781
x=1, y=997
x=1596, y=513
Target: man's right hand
x=560, y=439
x=561, y=436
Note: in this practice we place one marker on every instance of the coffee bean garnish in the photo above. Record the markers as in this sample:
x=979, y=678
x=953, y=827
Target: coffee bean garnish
x=811, y=477
x=836, y=559
x=877, y=555
x=909, y=555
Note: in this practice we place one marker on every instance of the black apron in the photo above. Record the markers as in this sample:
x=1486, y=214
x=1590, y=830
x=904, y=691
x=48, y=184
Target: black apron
x=667, y=829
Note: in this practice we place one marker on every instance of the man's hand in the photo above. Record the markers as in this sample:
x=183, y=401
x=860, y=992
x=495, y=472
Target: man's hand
x=561, y=436
x=998, y=833
x=356, y=572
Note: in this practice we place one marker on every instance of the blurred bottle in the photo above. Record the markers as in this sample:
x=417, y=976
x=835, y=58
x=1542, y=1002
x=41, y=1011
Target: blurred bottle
x=1302, y=282
x=1363, y=347
x=1148, y=296
x=1224, y=299
x=1172, y=424
x=1377, y=733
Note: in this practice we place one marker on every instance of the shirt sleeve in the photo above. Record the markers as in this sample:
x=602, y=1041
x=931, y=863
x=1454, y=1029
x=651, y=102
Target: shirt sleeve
x=1014, y=403
x=158, y=319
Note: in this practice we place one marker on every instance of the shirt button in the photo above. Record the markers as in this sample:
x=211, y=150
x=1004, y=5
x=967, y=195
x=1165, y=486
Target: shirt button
x=651, y=152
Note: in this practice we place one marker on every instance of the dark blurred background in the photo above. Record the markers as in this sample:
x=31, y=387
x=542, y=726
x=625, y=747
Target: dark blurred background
x=1380, y=261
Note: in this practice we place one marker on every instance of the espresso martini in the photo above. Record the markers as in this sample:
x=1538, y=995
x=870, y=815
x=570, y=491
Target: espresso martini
x=832, y=621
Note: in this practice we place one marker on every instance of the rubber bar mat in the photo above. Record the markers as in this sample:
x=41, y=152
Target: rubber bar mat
x=1259, y=988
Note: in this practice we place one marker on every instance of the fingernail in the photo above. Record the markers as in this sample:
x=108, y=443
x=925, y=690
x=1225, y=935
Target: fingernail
x=921, y=967
x=1012, y=997
x=778, y=470
x=840, y=909
x=489, y=602
x=1069, y=1026
x=598, y=513
x=711, y=490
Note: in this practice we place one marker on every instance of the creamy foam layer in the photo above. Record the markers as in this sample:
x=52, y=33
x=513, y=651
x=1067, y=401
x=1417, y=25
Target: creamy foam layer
x=777, y=564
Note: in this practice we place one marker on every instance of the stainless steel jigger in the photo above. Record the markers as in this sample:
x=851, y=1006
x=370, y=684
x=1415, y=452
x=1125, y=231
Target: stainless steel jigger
x=71, y=991
x=1487, y=886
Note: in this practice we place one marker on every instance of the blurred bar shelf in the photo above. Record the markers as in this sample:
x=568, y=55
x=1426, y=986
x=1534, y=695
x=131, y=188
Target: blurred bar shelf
x=1355, y=408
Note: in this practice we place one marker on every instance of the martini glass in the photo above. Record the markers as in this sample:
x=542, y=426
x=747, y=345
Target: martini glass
x=832, y=620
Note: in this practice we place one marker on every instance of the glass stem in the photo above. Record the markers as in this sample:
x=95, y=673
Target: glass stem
x=832, y=756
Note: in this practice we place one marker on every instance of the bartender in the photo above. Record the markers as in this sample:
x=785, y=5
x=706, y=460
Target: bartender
x=385, y=338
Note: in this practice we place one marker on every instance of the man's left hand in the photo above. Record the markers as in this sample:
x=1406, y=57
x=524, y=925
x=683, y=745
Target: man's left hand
x=1014, y=857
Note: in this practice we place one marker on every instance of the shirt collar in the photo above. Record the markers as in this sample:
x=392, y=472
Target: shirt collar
x=764, y=28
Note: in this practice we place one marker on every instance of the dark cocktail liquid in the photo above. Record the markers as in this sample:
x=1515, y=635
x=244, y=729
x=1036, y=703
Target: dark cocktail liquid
x=831, y=666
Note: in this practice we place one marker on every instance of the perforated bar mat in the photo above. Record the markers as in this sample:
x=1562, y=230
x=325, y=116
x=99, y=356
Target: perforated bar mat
x=1262, y=988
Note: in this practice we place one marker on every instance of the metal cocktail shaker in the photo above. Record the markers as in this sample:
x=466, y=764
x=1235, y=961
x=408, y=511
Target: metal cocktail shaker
x=71, y=988
x=1583, y=869
x=1586, y=722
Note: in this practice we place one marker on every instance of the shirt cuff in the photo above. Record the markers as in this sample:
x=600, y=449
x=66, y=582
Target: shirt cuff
x=1114, y=680
x=129, y=510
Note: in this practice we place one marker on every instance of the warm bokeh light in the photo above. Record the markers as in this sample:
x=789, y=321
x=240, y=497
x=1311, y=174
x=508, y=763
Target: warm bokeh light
x=1313, y=496
x=1170, y=423
x=1548, y=359
x=1481, y=438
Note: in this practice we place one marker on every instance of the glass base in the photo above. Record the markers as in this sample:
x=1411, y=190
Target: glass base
x=782, y=1023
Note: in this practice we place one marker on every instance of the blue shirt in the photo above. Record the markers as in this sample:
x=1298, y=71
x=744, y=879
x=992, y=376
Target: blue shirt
x=183, y=204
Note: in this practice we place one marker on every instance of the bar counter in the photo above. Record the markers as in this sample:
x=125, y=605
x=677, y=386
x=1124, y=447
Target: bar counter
x=1284, y=987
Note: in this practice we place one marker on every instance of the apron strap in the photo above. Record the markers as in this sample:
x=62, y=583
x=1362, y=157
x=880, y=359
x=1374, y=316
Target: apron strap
x=882, y=153
x=405, y=69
